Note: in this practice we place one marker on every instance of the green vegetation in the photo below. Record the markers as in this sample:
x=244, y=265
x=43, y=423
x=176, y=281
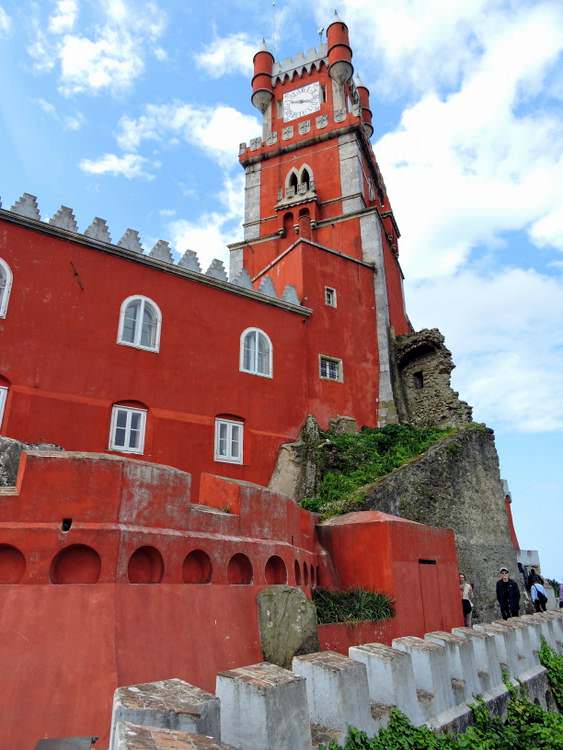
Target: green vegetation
x=348, y=462
x=527, y=726
x=351, y=606
x=554, y=664
x=555, y=585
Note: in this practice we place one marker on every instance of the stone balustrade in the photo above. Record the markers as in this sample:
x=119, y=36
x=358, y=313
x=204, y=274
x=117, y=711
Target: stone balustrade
x=433, y=680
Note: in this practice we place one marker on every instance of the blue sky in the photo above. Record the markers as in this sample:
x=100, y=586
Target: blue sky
x=133, y=111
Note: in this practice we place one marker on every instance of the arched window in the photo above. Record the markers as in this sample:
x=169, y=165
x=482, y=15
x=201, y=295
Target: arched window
x=256, y=352
x=139, y=323
x=4, y=385
x=5, y=287
x=306, y=179
x=292, y=182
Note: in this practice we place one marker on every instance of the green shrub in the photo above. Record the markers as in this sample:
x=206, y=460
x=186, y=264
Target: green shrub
x=351, y=606
x=554, y=664
x=348, y=462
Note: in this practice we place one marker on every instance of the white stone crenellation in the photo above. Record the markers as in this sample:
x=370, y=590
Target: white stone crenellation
x=98, y=230
x=433, y=680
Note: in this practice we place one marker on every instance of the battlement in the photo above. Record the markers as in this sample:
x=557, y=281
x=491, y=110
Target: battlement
x=95, y=518
x=302, y=62
x=97, y=235
x=432, y=680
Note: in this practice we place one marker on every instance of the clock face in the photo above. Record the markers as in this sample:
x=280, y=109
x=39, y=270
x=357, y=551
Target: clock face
x=301, y=102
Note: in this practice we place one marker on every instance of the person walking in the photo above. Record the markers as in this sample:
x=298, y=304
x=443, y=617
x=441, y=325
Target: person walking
x=508, y=595
x=537, y=592
x=466, y=591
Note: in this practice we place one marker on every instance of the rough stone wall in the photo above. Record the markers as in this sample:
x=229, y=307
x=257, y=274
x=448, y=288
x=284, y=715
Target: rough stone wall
x=457, y=485
x=296, y=472
x=10, y=451
x=422, y=369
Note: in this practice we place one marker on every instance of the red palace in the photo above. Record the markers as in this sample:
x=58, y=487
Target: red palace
x=171, y=391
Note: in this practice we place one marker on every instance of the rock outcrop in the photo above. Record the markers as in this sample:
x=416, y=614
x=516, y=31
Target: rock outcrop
x=455, y=484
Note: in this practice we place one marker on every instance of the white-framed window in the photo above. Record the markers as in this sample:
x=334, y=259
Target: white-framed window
x=140, y=321
x=330, y=296
x=3, y=399
x=256, y=352
x=330, y=368
x=127, y=431
x=5, y=287
x=229, y=439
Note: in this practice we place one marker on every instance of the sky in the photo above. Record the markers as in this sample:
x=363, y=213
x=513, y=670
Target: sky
x=133, y=111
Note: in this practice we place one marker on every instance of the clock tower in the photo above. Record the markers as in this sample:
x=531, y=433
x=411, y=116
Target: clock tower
x=317, y=214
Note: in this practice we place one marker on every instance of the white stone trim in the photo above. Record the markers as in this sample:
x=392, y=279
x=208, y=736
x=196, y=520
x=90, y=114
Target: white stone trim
x=242, y=368
x=130, y=410
x=139, y=326
x=331, y=291
x=5, y=298
x=329, y=358
x=229, y=459
x=3, y=400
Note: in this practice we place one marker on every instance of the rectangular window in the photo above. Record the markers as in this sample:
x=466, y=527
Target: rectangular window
x=330, y=296
x=330, y=368
x=228, y=441
x=3, y=399
x=418, y=379
x=127, y=429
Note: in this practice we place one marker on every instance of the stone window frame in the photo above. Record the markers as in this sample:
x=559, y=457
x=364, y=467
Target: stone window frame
x=253, y=370
x=331, y=360
x=136, y=343
x=3, y=402
x=228, y=456
x=5, y=293
x=129, y=411
x=330, y=291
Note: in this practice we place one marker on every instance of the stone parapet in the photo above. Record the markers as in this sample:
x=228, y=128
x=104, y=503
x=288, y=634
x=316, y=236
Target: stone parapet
x=264, y=707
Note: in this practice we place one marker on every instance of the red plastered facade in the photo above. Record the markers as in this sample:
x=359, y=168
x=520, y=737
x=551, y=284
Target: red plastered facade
x=122, y=571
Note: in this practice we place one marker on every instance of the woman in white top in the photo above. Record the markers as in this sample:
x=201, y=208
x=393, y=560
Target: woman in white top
x=466, y=591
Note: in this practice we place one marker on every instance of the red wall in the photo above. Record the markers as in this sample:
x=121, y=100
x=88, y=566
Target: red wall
x=384, y=553
x=71, y=612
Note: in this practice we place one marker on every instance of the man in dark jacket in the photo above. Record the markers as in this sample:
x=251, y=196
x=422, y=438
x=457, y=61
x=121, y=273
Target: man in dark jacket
x=508, y=595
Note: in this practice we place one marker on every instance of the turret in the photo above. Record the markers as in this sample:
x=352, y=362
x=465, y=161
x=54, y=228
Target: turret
x=262, y=80
x=363, y=93
x=340, y=66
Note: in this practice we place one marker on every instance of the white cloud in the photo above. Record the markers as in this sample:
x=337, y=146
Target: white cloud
x=228, y=54
x=5, y=22
x=216, y=130
x=131, y=166
x=506, y=332
x=64, y=17
x=210, y=234
x=68, y=122
x=464, y=168
x=111, y=57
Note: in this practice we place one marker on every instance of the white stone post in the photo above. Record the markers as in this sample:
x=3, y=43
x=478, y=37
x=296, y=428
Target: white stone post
x=264, y=706
x=168, y=704
x=431, y=675
x=461, y=661
x=486, y=660
x=390, y=678
x=505, y=641
x=337, y=691
x=133, y=737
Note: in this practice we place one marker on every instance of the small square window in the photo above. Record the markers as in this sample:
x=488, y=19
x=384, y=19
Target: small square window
x=330, y=368
x=228, y=441
x=330, y=296
x=127, y=433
